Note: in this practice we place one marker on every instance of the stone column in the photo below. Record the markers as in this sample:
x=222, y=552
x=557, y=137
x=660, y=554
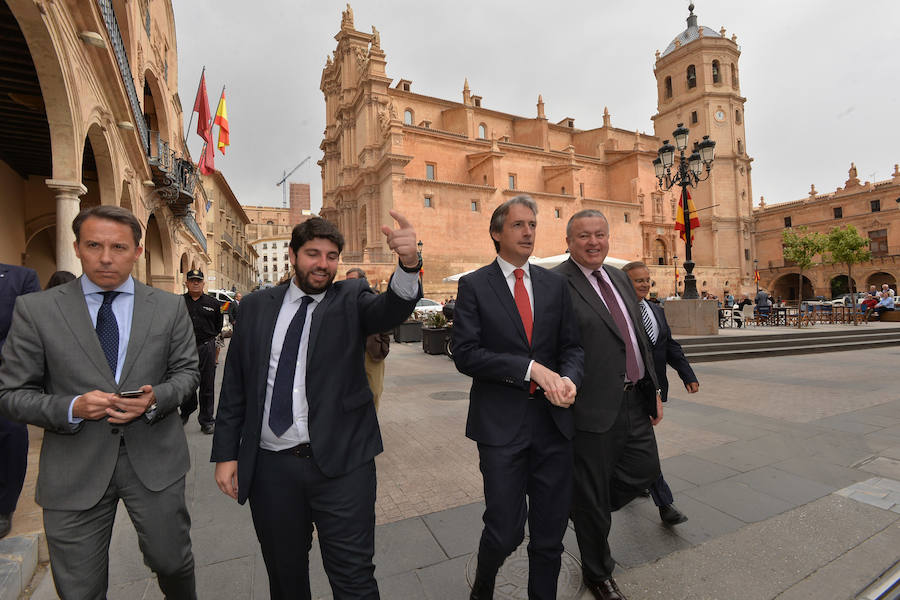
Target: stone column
x=67, y=207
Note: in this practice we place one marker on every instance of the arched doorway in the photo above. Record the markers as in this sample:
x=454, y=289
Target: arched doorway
x=839, y=285
x=40, y=253
x=879, y=278
x=785, y=288
x=97, y=169
x=153, y=251
x=659, y=252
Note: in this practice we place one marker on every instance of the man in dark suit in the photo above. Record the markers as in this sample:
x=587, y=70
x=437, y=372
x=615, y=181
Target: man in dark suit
x=14, y=282
x=665, y=351
x=296, y=430
x=102, y=363
x=515, y=334
x=615, y=449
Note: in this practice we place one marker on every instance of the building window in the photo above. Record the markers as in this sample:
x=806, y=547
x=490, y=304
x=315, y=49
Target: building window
x=285, y=257
x=265, y=246
x=628, y=217
x=512, y=181
x=405, y=87
x=265, y=268
x=737, y=117
x=429, y=171
x=878, y=242
x=285, y=245
x=556, y=212
x=734, y=76
x=484, y=178
x=147, y=20
x=477, y=101
x=473, y=205
x=269, y=223
x=875, y=205
x=581, y=189
x=428, y=202
x=563, y=192
x=265, y=259
x=668, y=87
x=838, y=212
x=691, y=76
x=740, y=147
x=787, y=222
x=694, y=118
x=715, y=71
x=482, y=131
x=746, y=253
x=407, y=117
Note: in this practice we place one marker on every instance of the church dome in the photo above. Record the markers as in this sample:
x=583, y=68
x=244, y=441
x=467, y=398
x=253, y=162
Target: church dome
x=691, y=33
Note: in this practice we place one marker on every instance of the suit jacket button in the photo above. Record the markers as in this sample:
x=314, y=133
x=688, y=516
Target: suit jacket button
x=114, y=431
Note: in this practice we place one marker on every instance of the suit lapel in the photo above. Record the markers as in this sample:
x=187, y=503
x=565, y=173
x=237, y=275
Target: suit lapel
x=274, y=300
x=74, y=313
x=501, y=289
x=316, y=324
x=541, y=299
x=143, y=313
x=589, y=294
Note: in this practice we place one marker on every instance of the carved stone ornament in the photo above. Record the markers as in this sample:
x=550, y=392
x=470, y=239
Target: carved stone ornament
x=362, y=60
x=376, y=38
x=347, y=18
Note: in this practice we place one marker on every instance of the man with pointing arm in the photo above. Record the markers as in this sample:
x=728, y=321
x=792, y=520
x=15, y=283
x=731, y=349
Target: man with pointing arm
x=296, y=430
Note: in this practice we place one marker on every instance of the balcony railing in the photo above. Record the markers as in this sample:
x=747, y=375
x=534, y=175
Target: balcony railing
x=228, y=239
x=191, y=223
x=174, y=177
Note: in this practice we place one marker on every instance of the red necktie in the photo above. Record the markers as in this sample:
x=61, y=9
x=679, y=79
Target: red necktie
x=524, y=306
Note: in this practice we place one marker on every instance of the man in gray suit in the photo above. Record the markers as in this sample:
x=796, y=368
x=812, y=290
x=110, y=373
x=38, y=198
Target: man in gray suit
x=102, y=363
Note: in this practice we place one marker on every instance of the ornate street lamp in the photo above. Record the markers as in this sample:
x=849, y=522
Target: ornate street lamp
x=675, y=264
x=419, y=246
x=688, y=172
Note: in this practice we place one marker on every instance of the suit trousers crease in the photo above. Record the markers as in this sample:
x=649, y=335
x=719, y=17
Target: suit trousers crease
x=78, y=541
x=288, y=497
x=536, y=463
x=611, y=469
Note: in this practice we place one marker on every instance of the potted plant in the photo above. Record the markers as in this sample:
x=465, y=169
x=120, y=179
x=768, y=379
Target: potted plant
x=410, y=330
x=435, y=333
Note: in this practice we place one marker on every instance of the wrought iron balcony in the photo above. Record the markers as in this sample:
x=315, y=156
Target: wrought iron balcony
x=174, y=177
x=226, y=237
x=191, y=223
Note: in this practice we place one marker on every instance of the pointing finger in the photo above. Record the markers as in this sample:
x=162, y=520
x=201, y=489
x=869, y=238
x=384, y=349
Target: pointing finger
x=401, y=220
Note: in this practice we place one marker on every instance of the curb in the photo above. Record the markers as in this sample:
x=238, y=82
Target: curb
x=18, y=562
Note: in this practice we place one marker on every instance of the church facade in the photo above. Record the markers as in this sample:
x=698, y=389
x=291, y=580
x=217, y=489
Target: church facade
x=447, y=164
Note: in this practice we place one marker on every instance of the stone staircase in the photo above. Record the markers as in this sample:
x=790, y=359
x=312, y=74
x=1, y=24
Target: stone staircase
x=787, y=342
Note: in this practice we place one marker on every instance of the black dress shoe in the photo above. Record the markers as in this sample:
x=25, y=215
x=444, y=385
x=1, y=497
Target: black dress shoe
x=5, y=525
x=605, y=590
x=208, y=428
x=671, y=515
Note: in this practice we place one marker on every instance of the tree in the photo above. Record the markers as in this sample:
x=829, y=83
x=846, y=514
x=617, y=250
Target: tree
x=847, y=247
x=801, y=247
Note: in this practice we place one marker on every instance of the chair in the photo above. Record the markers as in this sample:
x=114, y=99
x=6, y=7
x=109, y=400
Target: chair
x=747, y=315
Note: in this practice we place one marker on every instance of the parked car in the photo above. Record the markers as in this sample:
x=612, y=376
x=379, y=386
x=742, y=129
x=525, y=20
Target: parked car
x=222, y=295
x=427, y=306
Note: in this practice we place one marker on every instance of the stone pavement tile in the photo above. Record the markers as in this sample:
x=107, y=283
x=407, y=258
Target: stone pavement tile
x=851, y=572
x=872, y=500
x=781, y=484
x=871, y=416
x=635, y=540
x=695, y=470
x=445, y=580
x=11, y=583
x=704, y=522
x=228, y=579
x=848, y=424
x=778, y=446
x=402, y=585
x=739, y=500
x=890, y=484
x=457, y=530
x=732, y=427
x=223, y=541
x=841, y=449
x=674, y=438
x=570, y=542
x=886, y=467
x=260, y=589
x=735, y=457
x=136, y=590
x=763, y=559
x=880, y=441
x=892, y=452
x=404, y=546
x=822, y=471
x=677, y=484
x=210, y=508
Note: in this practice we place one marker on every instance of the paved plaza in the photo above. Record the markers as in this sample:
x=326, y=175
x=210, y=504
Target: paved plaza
x=788, y=468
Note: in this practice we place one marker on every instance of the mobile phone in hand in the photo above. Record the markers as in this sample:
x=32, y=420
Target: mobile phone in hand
x=131, y=394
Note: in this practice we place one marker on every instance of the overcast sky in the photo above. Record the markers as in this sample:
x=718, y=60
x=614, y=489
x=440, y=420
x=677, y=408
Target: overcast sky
x=820, y=76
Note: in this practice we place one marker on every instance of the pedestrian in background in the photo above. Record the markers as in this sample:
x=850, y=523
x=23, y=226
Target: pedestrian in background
x=377, y=347
x=207, y=320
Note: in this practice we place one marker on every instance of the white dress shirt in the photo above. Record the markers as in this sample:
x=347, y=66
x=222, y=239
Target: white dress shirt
x=405, y=285
x=509, y=275
x=589, y=274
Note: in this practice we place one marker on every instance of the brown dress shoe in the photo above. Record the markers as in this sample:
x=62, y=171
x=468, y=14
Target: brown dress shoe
x=605, y=590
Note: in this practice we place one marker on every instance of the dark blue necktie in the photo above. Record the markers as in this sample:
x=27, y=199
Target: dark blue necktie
x=281, y=410
x=108, y=331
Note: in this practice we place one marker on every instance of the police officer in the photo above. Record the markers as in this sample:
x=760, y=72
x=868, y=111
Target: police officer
x=206, y=315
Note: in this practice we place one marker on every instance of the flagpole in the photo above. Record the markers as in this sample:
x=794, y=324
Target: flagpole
x=191, y=120
x=212, y=120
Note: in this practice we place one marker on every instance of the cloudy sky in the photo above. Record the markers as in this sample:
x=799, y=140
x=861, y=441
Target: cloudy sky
x=820, y=76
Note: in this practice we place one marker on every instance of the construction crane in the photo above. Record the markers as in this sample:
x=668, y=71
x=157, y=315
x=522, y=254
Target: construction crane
x=284, y=202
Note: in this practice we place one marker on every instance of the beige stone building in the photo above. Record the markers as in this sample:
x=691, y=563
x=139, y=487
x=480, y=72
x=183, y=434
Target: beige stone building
x=89, y=114
x=873, y=208
x=269, y=221
x=447, y=164
x=272, y=261
x=233, y=257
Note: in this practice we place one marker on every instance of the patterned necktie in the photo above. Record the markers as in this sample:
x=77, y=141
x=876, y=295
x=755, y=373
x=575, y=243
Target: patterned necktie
x=648, y=324
x=108, y=331
x=281, y=410
x=632, y=369
x=523, y=303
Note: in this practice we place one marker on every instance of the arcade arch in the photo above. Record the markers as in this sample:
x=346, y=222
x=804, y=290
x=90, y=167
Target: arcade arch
x=785, y=287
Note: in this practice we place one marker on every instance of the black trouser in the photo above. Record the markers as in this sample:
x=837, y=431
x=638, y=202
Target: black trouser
x=13, y=463
x=206, y=352
x=536, y=463
x=289, y=496
x=661, y=492
x=611, y=469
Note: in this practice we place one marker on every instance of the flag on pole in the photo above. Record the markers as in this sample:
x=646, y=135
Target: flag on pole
x=207, y=162
x=756, y=276
x=201, y=107
x=679, y=217
x=222, y=121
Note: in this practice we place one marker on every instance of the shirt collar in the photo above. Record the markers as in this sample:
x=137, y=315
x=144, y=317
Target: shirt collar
x=294, y=293
x=589, y=273
x=508, y=268
x=89, y=287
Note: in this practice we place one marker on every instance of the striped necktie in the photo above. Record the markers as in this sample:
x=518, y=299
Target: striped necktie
x=648, y=324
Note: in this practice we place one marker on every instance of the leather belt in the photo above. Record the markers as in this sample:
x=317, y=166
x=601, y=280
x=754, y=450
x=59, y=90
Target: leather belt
x=300, y=451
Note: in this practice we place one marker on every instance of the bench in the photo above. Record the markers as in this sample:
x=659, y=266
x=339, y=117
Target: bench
x=890, y=316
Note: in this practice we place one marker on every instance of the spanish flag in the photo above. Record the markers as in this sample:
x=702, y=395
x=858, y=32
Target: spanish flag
x=679, y=217
x=222, y=121
x=756, y=276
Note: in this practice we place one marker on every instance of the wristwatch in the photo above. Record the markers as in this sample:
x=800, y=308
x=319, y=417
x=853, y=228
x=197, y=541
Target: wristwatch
x=151, y=411
x=414, y=269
